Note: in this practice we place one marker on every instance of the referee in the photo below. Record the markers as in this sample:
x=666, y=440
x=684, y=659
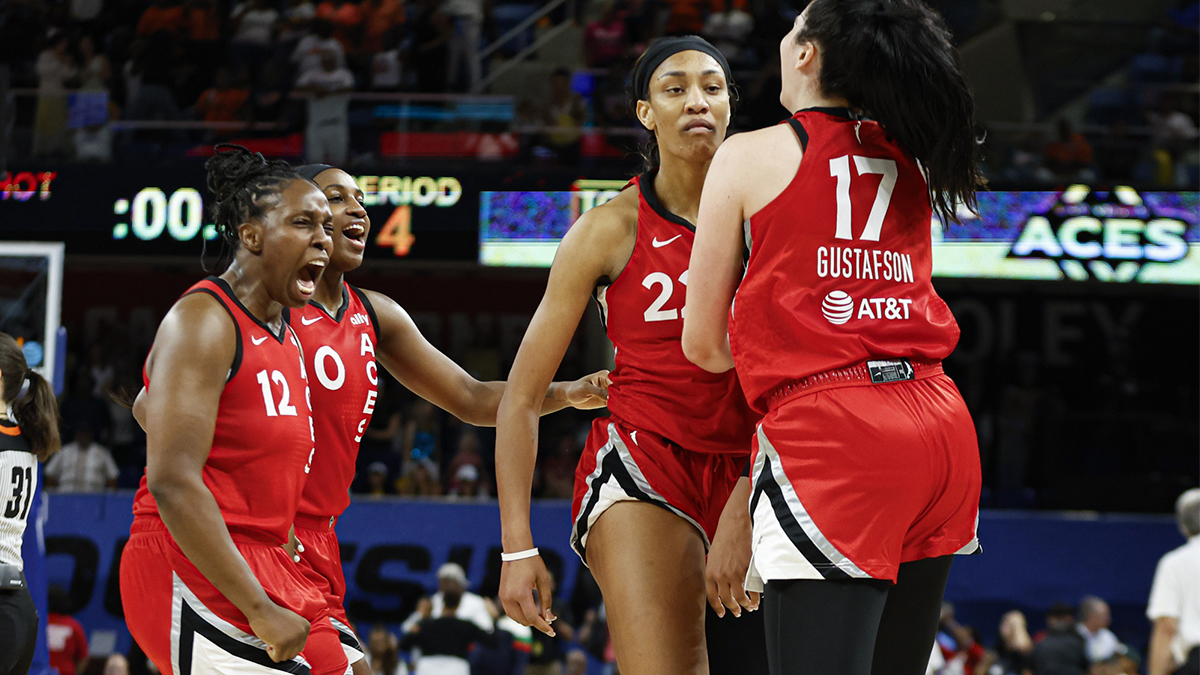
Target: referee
x=28, y=433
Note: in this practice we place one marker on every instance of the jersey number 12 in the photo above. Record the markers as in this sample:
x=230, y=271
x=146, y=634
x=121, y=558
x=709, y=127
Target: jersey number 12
x=285, y=408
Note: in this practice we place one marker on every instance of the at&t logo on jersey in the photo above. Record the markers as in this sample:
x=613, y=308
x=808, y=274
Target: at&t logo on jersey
x=838, y=308
x=1107, y=236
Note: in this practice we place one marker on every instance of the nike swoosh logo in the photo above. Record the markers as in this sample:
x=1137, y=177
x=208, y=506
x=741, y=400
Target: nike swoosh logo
x=259, y=341
x=660, y=244
x=306, y=322
x=633, y=437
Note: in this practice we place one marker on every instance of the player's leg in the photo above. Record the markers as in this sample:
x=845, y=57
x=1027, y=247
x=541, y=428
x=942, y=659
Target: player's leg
x=910, y=617
x=18, y=631
x=821, y=627
x=649, y=564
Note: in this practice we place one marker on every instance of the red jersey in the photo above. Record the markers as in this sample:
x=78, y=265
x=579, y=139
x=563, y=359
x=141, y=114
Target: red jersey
x=263, y=441
x=654, y=386
x=340, y=354
x=840, y=262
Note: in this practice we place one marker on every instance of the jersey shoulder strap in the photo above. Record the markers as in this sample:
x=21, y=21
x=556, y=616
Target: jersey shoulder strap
x=366, y=303
x=217, y=292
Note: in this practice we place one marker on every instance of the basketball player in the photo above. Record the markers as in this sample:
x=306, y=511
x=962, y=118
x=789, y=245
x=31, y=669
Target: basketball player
x=28, y=435
x=655, y=475
x=205, y=582
x=342, y=327
x=866, y=467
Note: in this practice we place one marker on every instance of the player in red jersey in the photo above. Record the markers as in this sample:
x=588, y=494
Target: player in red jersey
x=205, y=582
x=658, y=473
x=866, y=467
x=344, y=330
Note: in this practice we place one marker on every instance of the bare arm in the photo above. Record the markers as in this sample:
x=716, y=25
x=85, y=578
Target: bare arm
x=575, y=272
x=1160, y=660
x=716, y=263
x=430, y=374
x=729, y=556
x=192, y=353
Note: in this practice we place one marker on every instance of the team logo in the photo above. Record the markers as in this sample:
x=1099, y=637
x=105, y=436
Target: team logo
x=838, y=307
x=1107, y=236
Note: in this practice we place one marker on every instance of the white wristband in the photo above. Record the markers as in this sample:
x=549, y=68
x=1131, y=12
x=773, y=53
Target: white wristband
x=519, y=555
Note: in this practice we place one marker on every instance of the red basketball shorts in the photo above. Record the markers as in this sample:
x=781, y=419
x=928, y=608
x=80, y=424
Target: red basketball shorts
x=321, y=562
x=849, y=482
x=622, y=463
x=187, y=627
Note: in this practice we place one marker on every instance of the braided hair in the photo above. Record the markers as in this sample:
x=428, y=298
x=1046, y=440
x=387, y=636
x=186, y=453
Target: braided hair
x=242, y=182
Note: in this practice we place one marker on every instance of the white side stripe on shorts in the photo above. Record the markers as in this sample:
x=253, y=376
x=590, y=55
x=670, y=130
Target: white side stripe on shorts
x=793, y=519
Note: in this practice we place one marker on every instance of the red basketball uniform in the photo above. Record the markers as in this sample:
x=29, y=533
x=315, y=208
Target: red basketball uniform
x=667, y=414
x=262, y=448
x=881, y=466
x=340, y=354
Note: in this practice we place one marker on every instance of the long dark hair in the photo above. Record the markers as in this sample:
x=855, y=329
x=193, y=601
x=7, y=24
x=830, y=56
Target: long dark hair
x=893, y=60
x=241, y=182
x=34, y=407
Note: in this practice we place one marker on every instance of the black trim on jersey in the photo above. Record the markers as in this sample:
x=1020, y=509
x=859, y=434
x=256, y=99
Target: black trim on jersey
x=844, y=113
x=237, y=355
x=766, y=485
x=192, y=623
x=369, y=307
x=646, y=186
x=16, y=443
x=341, y=310
x=801, y=132
x=232, y=296
x=612, y=466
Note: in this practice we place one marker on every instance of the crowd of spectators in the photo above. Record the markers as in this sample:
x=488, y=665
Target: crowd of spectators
x=291, y=65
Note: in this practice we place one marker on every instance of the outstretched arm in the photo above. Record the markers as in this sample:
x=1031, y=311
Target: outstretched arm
x=576, y=269
x=430, y=374
x=716, y=264
x=192, y=353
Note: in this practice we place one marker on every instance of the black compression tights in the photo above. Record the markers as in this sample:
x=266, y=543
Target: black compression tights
x=859, y=627
x=18, y=631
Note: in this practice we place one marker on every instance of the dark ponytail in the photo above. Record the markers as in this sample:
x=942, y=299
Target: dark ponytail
x=894, y=61
x=34, y=407
x=241, y=181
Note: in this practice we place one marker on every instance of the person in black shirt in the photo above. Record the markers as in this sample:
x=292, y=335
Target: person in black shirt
x=1062, y=651
x=444, y=641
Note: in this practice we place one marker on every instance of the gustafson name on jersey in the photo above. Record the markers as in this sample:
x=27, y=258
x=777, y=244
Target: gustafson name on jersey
x=331, y=372
x=848, y=262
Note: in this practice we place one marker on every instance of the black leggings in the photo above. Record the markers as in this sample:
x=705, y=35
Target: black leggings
x=18, y=631
x=858, y=627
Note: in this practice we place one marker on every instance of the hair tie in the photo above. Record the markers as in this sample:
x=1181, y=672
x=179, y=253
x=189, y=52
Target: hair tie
x=23, y=390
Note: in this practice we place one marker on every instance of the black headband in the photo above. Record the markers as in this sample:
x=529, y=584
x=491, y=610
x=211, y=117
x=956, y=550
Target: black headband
x=665, y=48
x=311, y=171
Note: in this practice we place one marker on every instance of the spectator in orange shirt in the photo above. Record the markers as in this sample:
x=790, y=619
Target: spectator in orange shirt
x=380, y=16
x=347, y=20
x=203, y=30
x=687, y=16
x=1070, y=155
x=225, y=100
x=164, y=15
x=65, y=637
